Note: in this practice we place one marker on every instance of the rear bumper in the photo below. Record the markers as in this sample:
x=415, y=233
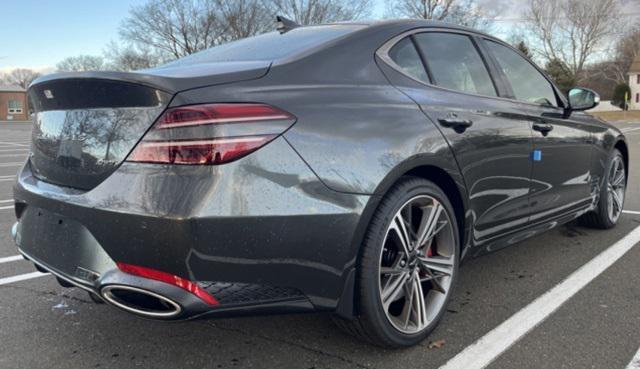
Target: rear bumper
x=261, y=234
x=190, y=307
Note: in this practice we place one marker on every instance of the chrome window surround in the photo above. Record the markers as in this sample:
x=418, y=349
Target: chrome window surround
x=383, y=53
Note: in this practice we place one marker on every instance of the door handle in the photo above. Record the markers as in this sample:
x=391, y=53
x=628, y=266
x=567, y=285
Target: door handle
x=458, y=125
x=543, y=128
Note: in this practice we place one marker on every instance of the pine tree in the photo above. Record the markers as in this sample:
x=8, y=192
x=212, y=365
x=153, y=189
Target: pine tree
x=561, y=74
x=619, y=94
x=522, y=46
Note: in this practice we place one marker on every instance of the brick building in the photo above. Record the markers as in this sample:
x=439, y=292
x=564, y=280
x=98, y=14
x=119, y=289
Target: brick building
x=13, y=103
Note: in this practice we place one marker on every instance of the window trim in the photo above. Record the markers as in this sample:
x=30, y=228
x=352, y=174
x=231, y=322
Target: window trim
x=425, y=65
x=413, y=43
x=503, y=87
x=383, y=53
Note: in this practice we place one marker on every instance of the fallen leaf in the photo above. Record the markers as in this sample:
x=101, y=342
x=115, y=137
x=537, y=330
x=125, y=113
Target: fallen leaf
x=436, y=344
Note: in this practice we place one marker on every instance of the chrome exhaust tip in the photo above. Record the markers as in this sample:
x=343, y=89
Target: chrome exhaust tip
x=14, y=232
x=139, y=301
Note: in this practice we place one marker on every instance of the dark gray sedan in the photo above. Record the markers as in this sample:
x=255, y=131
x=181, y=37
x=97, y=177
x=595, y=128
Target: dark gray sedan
x=346, y=168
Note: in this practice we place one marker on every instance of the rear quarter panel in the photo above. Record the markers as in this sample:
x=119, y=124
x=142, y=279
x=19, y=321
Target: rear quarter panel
x=353, y=128
x=355, y=131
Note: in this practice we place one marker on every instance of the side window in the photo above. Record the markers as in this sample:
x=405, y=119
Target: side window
x=454, y=63
x=404, y=54
x=527, y=83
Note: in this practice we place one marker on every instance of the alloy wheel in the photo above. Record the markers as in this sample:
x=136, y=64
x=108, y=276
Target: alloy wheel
x=616, y=188
x=417, y=263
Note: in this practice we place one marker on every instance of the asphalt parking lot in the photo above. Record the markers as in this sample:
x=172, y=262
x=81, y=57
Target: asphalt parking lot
x=45, y=326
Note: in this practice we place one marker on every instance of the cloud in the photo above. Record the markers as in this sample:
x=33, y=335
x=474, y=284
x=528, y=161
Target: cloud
x=505, y=8
x=516, y=9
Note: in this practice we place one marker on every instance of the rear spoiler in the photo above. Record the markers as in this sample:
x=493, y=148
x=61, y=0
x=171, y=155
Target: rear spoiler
x=173, y=78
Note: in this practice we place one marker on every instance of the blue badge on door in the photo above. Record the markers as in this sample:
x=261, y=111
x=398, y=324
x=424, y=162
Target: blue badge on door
x=536, y=155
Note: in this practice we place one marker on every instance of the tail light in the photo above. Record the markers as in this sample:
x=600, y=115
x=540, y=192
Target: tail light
x=157, y=275
x=200, y=134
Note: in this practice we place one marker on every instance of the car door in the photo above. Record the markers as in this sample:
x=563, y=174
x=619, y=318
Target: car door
x=445, y=73
x=561, y=178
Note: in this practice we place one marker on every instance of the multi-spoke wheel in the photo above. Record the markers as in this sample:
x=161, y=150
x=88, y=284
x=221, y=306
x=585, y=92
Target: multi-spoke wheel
x=416, y=264
x=611, y=201
x=408, y=265
x=616, y=186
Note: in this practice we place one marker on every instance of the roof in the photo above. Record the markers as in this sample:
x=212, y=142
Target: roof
x=409, y=23
x=10, y=88
x=635, y=65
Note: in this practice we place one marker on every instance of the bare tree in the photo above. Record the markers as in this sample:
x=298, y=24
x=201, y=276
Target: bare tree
x=130, y=57
x=243, y=18
x=626, y=49
x=464, y=12
x=20, y=77
x=571, y=30
x=321, y=11
x=424, y=9
x=173, y=27
x=81, y=63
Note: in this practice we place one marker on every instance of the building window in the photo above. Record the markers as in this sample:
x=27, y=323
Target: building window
x=15, y=107
x=638, y=79
x=637, y=98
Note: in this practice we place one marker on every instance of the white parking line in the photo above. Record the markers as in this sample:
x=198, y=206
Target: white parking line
x=9, y=259
x=12, y=164
x=6, y=207
x=13, y=143
x=486, y=349
x=635, y=362
x=5, y=201
x=24, y=154
x=12, y=149
x=7, y=179
x=627, y=130
x=21, y=277
x=631, y=212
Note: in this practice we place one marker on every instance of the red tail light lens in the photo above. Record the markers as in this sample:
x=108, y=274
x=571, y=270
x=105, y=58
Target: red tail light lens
x=208, y=150
x=197, y=115
x=157, y=275
x=214, y=151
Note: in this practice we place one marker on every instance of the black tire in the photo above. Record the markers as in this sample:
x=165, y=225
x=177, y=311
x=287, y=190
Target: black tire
x=372, y=323
x=600, y=217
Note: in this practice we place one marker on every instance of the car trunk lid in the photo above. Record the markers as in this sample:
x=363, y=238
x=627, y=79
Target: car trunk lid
x=85, y=124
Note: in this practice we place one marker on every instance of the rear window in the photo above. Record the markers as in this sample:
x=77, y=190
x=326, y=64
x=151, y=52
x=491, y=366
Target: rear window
x=269, y=46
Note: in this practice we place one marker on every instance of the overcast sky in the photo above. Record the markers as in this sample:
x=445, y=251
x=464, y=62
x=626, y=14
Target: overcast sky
x=38, y=34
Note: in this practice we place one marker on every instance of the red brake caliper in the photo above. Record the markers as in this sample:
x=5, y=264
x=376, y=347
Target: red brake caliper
x=429, y=251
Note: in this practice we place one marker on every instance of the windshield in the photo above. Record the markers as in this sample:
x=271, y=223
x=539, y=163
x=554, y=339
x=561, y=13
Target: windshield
x=269, y=46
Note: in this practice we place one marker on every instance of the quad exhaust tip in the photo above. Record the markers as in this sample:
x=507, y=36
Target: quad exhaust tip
x=142, y=302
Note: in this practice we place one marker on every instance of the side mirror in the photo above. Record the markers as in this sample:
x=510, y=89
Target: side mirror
x=582, y=99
